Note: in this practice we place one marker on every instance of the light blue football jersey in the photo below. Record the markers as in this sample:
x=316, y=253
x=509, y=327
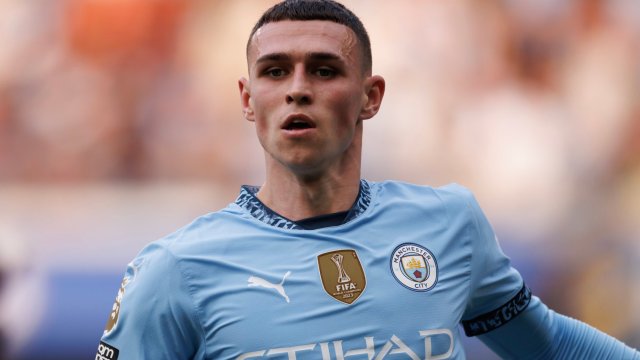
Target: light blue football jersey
x=393, y=281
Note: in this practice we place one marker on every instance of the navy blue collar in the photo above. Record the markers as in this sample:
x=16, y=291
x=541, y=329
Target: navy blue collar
x=250, y=202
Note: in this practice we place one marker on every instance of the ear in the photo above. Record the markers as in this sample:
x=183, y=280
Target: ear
x=374, y=92
x=245, y=99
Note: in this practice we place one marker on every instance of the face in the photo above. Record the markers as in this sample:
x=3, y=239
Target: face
x=307, y=93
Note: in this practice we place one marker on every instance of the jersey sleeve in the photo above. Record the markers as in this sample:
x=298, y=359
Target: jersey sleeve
x=153, y=316
x=497, y=292
x=540, y=333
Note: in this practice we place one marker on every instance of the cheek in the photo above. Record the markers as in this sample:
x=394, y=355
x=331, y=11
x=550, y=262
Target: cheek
x=264, y=95
x=264, y=121
x=261, y=133
x=261, y=125
x=349, y=104
x=262, y=108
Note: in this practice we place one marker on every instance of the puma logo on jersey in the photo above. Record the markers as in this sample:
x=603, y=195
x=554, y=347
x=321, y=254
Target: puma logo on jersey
x=257, y=281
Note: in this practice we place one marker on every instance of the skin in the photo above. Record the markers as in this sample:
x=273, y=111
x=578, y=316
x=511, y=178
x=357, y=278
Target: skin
x=310, y=71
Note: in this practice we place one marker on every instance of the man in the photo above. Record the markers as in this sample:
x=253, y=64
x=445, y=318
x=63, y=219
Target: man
x=317, y=263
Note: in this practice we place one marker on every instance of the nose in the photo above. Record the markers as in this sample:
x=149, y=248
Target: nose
x=299, y=91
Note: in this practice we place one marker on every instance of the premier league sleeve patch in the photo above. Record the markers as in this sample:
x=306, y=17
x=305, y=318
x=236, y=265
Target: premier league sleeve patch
x=414, y=267
x=132, y=270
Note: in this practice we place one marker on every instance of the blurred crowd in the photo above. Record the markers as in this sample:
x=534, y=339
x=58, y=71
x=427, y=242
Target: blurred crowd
x=533, y=104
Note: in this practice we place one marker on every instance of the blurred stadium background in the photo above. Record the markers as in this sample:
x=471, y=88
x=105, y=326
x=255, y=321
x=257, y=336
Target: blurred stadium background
x=120, y=121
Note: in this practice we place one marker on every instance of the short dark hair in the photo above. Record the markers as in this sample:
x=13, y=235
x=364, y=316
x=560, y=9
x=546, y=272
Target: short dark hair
x=328, y=10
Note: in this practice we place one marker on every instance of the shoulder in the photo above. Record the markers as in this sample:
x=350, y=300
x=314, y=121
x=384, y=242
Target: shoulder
x=159, y=265
x=411, y=188
x=205, y=230
x=451, y=195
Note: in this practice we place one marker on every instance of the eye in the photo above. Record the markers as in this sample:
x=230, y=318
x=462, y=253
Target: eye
x=275, y=72
x=325, y=72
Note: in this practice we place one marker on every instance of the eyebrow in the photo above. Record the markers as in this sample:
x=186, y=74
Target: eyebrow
x=325, y=56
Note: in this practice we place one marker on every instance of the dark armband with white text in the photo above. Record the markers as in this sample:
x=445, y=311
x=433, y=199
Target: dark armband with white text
x=500, y=316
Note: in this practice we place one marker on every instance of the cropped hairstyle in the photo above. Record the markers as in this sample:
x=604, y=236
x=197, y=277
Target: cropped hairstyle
x=329, y=10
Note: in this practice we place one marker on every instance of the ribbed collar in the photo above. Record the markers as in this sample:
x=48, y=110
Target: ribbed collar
x=248, y=201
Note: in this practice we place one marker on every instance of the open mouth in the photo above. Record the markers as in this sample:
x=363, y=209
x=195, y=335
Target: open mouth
x=298, y=123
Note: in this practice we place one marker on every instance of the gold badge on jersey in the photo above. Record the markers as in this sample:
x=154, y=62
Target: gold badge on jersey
x=130, y=275
x=342, y=275
x=115, y=310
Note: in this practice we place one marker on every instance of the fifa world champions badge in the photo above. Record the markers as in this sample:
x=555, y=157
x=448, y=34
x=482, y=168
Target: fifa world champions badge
x=342, y=275
x=414, y=267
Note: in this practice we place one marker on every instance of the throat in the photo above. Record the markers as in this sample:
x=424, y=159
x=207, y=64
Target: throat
x=300, y=203
x=249, y=201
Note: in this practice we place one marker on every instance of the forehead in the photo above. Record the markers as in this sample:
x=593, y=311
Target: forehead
x=303, y=36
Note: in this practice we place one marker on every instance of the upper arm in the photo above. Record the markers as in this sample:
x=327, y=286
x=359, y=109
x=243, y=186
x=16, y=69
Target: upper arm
x=540, y=333
x=494, y=284
x=154, y=316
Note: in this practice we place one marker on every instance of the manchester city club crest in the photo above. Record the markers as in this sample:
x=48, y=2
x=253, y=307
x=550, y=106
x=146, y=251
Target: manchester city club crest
x=414, y=267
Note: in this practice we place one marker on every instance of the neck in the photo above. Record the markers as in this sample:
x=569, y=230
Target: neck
x=300, y=196
x=298, y=200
